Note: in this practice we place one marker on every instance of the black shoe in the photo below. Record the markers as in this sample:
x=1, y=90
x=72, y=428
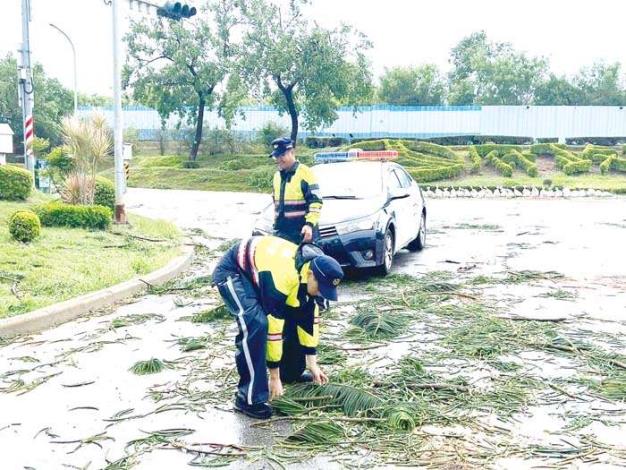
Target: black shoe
x=306, y=377
x=257, y=411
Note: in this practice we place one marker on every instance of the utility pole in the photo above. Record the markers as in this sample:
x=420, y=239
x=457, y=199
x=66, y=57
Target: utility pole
x=172, y=10
x=26, y=89
x=118, y=131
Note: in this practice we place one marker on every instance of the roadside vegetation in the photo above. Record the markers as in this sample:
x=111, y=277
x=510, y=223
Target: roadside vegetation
x=63, y=262
x=477, y=166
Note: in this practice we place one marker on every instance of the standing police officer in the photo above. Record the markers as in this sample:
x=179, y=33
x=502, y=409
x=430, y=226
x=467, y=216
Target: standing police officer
x=296, y=194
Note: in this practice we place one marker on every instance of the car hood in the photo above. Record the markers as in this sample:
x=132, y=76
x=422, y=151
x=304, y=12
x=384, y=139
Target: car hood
x=335, y=211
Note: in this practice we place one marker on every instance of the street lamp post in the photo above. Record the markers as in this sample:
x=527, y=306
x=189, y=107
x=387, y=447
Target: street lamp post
x=74, y=56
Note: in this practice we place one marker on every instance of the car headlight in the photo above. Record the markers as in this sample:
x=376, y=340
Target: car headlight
x=364, y=223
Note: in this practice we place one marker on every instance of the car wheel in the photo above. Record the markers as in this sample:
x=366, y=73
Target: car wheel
x=420, y=241
x=388, y=244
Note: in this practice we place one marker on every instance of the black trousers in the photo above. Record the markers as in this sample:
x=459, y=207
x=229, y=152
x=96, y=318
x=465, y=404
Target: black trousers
x=242, y=300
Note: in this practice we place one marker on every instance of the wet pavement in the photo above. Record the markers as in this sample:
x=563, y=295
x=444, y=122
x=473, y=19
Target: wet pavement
x=69, y=400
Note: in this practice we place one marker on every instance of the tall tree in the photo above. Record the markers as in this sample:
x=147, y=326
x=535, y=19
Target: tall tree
x=558, y=91
x=52, y=101
x=180, y=67
x=602, y=84
x=302, y=69
x=421, y=85
x=493, y=73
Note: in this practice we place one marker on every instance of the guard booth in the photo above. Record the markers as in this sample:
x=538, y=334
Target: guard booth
x=6, y=142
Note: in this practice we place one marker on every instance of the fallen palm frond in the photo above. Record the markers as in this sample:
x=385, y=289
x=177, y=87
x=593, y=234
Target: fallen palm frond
x=286, y=406
x=613, y=388
x=195, y=283
x=319, y=433
x=351, y=400
x=208, y=316
x=192, y=344
x=136, y=319
x=329, y=354
x=401, y=418
x=518, y=277
x=151, y=366
x=373, y=324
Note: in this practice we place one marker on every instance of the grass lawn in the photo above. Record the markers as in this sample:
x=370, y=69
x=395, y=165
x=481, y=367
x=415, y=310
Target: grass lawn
x=254, y=172
x=64, y=263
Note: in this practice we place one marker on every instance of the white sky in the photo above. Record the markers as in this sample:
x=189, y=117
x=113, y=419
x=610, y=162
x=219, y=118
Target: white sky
x=404, y=32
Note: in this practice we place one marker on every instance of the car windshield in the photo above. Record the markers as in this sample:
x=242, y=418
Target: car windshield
x=356, y=181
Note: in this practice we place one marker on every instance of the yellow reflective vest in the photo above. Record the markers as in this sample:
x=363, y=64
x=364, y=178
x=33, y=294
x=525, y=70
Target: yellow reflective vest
x=297, y=200
x=270, y=263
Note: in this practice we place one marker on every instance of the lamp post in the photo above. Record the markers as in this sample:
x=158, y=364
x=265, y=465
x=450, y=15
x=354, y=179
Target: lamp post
x=74, y=56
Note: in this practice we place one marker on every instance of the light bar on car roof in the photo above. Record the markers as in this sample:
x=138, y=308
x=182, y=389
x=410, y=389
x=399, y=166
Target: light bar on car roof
x=355, y=154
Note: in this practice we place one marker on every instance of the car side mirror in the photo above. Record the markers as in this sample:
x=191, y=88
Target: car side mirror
x=398, y=193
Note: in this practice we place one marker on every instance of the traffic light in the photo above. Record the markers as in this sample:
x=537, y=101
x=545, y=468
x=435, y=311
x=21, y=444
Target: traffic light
x=176, y=11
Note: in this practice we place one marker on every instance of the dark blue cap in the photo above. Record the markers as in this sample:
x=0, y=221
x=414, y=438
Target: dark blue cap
x=280, y=146
x=329, y=274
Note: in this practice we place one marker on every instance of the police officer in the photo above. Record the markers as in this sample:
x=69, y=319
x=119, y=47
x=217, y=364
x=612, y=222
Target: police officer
x=296, y=194
x=270, y=285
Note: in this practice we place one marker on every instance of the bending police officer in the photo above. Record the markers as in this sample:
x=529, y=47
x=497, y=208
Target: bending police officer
x=270, y=285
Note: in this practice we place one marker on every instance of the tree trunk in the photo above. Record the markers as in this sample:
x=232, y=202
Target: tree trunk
x=287, y=92
x=193, y=154
x=293, y=113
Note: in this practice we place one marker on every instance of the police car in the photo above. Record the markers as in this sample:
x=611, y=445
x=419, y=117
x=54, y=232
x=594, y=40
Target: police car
x=372, y=209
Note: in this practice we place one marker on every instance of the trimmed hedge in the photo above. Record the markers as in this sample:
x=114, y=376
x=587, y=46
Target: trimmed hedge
x=475, y=159
x=581, y=166
x=503, y=168
x=15, y=182
x=104, y=193
x=605, y=166
x=596, y=153
x=485, y=149
x=424, y=175
x=429, y=148
x=520, y=161
x=618, y=164
x=57, y=214
x=370, y=145
x=24, y=226
x=545, y=149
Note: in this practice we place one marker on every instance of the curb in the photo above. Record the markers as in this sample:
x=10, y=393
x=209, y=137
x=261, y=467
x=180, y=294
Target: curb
x=54, y=315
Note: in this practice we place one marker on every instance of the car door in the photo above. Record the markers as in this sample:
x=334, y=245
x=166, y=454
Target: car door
x=416, y=202
x=400, y=206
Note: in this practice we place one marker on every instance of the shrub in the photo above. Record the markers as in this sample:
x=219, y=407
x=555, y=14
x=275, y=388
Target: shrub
x=261, y=178
x=380, y=144
x=546, y=149
x=15, y=182
x=191, y=164
x=271, y=131
x=430, y=148
x=104, y=193
x=60, y=165
x=241, y=164
x=67, y=215
x=24, y=226
x=475, y=159
x=619, y=164
x=321, y=142
x=484, y=149
x=503, y=168
x=424, y=175
x=521, y=161
x=596, y=153
x=580, y=166
x=605, y=166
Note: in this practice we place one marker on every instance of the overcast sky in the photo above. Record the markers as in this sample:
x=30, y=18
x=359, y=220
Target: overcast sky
x=404, y=32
